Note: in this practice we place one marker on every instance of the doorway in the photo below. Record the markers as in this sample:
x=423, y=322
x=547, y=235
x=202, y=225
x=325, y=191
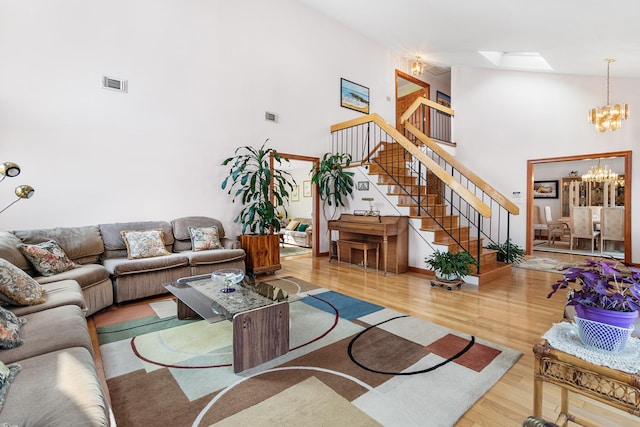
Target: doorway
x=408, y=88
x=305, y=193
x=594, y=158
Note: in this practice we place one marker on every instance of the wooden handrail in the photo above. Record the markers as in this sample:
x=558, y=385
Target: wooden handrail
x=511, y=207
x=435, y=147
x=451, y=182
x=424, y=101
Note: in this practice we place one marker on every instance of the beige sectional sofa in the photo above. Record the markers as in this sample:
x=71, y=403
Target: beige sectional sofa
x=58, y=383
x=106, y=275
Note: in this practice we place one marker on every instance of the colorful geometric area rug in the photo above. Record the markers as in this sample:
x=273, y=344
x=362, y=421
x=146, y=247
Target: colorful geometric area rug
x=350, y=363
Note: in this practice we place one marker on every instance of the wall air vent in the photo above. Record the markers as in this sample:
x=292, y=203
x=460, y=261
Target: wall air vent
x=271, y=117
x=113, y=83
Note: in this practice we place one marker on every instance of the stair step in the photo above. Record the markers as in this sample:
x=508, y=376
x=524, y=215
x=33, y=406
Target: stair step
x=446, y=221
x=376, y=169
x=400, y=180
x=435, y=210
x=398, y=189
x=459, y=233
x=470, y=246
x=407, y=200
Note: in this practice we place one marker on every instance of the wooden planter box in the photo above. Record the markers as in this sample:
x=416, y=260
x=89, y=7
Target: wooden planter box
x=263, y=252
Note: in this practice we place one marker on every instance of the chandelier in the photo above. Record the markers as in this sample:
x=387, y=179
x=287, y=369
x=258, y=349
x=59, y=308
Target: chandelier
x=600, y=174
x=609, y=117
x=417, y=67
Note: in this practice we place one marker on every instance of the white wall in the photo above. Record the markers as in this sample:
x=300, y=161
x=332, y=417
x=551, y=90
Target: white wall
x=201, y=75
x=505, y=118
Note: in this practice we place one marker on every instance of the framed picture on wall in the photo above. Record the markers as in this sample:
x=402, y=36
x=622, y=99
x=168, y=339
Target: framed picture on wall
x=295, y=194
x=545, y=189
x=354, y=96
x=363, y=185
x=306, y=188
x=443, y=99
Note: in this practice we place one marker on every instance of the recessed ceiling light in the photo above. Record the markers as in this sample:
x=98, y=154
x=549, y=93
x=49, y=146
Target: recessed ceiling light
x=531, y=61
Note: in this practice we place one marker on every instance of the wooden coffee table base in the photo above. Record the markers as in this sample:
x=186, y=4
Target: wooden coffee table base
x=260, y=335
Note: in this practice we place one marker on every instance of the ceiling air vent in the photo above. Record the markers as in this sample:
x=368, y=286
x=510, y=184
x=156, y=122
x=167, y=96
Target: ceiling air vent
x=113, y=83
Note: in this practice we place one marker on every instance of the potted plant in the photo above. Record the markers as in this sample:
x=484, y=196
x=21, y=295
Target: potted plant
x=261, y=191
x=602, y=291
x=450, y=266
x=507, y=252
x=334, y=182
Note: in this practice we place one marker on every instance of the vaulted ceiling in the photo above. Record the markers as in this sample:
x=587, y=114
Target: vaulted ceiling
x=574, y=36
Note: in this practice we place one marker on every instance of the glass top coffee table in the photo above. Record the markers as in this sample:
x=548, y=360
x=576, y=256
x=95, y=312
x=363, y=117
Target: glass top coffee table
x=258, y=310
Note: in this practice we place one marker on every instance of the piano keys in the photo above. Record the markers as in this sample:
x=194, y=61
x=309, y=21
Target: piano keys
x=391, y=232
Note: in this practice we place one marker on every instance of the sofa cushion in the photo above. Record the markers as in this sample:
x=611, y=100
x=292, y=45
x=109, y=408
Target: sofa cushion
x=7, y=375
x=50, y=330
x=292, y=225
x=181, y=230
x=86, y=275
x=82, y=244
x=144, y=243
x=17, y=287
x=10, y=329
x=302, y=227
x=203, y=238
x=60, y=388
x=48, y=258
x=114, y=245
x=63, y=292
x=124, y=266
x=214, y=256
x=9, y=250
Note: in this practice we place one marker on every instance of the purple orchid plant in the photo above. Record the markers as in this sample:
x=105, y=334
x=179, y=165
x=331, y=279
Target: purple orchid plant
x=609, y=285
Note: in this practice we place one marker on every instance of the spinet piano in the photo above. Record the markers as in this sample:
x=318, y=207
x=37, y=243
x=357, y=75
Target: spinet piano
x=390, y=231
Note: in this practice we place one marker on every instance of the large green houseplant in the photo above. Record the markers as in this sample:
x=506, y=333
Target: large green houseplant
x=450, y=266
x=249, y=180
x=334, y=182
x=261, y=191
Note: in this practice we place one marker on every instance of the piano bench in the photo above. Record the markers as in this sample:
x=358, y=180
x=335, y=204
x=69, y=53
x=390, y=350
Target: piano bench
x=365, y=247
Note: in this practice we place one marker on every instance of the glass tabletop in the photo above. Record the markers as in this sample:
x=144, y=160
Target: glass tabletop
x=209, y=299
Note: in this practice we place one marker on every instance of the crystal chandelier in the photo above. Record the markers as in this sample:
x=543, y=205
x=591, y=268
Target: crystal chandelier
x=600, y=174
x=609, y=117
x=417, y=67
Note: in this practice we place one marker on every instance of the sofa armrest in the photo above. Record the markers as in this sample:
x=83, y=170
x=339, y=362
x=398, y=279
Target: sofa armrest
x=230, y=243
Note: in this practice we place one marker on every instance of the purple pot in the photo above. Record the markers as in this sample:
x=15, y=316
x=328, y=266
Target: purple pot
x=621, y=319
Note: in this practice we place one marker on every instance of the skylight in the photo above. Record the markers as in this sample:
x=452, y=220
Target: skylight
x=527, y=61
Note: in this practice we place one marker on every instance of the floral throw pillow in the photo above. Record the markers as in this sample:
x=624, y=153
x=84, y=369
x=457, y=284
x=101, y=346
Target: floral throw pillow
x=17, y=287
x=7, y=374
x=48, y=258
x=144, y=244
x=203, y=238
x=9, y=327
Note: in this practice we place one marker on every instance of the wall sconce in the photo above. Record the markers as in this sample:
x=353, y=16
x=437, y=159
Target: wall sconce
x=10, y=169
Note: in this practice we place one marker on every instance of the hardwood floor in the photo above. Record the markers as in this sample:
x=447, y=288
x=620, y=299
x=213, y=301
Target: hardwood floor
x=513, y=311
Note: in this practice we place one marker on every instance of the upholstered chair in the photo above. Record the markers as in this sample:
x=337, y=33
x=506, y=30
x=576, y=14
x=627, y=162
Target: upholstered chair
x=582, y=225
x=611, y=225
x=556, y=228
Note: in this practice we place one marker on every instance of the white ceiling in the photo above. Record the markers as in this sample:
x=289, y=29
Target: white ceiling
x=574, y=36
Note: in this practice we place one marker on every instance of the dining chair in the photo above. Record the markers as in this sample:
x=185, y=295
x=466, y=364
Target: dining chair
x=539, y=224
x=555, y=227
x=611, y=225
x=582, y=225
